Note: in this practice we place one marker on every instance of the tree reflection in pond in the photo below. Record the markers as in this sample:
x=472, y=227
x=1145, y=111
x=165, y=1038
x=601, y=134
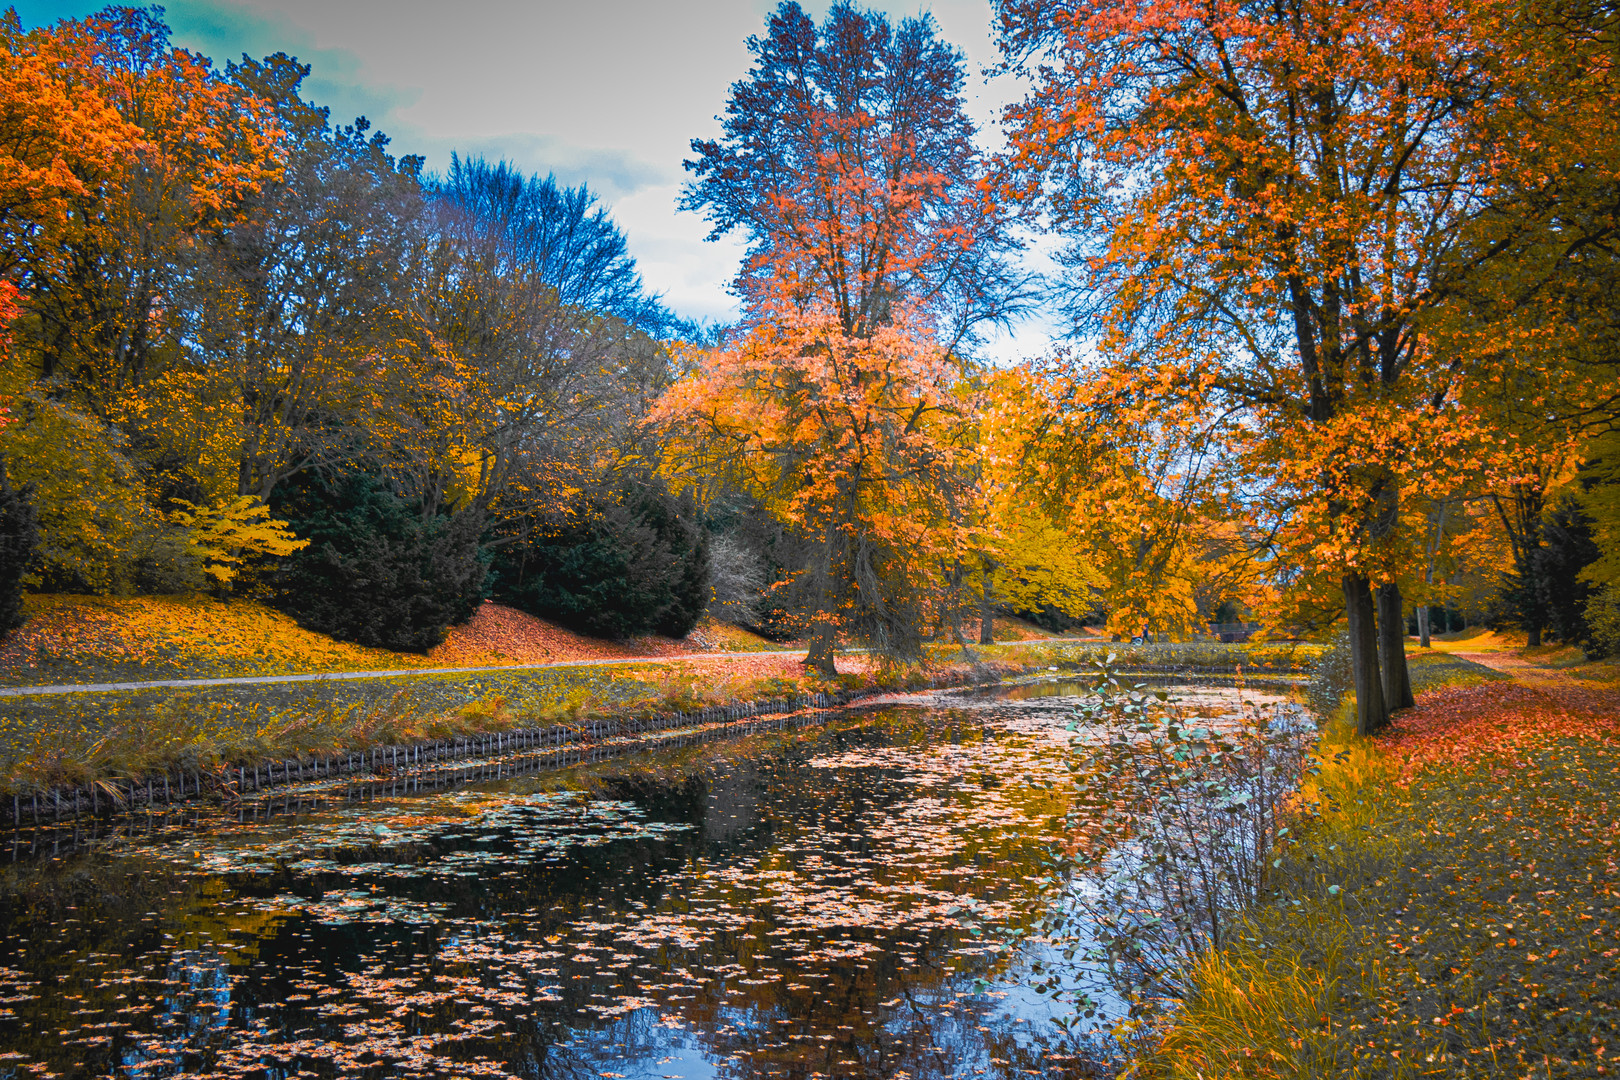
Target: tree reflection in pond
x=799, y=904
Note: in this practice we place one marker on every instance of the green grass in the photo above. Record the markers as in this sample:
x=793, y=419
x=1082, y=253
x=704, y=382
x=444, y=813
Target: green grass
x=1432, y=670
x=1256, y=657
x=1460, y=925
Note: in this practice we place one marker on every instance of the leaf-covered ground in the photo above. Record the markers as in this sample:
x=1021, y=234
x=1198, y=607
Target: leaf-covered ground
x=1477, y=927
x=83, y=639
x=71, y=640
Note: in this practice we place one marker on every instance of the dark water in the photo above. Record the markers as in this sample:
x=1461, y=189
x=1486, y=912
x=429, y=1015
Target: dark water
x=800, y=904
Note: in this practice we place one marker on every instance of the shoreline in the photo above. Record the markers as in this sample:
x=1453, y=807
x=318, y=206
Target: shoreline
x=233, y=768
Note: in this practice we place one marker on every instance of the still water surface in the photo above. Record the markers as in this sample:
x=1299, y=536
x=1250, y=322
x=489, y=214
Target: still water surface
x=800, y=903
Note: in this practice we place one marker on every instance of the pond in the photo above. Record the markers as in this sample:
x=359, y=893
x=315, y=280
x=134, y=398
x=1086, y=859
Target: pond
x=804, y=902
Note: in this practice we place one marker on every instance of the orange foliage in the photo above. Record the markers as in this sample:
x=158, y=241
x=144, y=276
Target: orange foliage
x=848, y=161
x=851, y=439
x=1281, y=194
x=58, y=131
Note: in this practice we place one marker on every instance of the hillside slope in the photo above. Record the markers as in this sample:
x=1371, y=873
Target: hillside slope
x=77, y=639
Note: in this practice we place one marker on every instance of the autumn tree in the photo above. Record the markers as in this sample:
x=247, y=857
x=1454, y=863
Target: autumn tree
x=1032, y=559
x=1136, y=483
x=147, y=145
x=298, y=308
x=851, y=441
x=531, y=295
x=221, y=295
x=560, y=236
x=848, y=164
x=101, y=292
x=1268, y=205
x=19, y=533
x=59, y=134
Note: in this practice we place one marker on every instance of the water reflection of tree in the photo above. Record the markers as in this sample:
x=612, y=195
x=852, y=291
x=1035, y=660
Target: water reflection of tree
x=754, y=1034
x=911, y=1008
x=96, y=923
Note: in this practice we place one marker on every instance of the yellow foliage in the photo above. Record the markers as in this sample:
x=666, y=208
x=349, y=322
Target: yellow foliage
x=223, y=537
x=94, y=519
x=161, y=637
x=1040, y=563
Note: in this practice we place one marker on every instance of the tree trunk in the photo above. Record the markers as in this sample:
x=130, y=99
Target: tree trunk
x=823, y=632
x=987, y=624
x=1534, y=634
x=1392, y=648
x=1436, y=536
x=1371, y=713
x=820, y=656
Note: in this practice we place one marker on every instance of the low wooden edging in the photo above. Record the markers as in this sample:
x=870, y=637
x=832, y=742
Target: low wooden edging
x=118, y=795
x=113, y=796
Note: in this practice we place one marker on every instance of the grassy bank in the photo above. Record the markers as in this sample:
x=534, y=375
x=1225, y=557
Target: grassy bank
x=75, y=739
x=1453, y=909
x=72, y=740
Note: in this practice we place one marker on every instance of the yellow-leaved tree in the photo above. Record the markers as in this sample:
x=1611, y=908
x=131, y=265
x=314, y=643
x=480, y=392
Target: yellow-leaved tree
x=1138, y=486
x=222, y=538
x=1033, y=558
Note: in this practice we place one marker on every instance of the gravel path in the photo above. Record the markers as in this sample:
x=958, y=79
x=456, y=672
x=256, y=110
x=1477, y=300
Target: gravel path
x=339, y=676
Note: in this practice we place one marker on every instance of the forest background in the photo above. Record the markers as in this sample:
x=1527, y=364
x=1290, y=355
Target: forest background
x=1340, y=281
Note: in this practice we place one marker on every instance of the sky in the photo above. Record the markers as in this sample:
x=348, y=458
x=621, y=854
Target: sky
x=605, y=92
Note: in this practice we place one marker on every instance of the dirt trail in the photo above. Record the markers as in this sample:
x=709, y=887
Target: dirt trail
x=1573, y=691
x=1537, y=704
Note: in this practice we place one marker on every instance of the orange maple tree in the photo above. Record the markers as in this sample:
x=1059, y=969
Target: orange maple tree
x=852, y=441
x=155, y=145
x=848, y=162
x=1272, y=205
x=58, y=135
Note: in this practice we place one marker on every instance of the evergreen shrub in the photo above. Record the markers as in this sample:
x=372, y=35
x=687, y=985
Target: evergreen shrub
x=632, y=561
x=19, y=543
x=378, y=571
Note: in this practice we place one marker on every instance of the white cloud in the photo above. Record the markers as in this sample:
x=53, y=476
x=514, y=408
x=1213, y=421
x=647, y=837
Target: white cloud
x=606, y=92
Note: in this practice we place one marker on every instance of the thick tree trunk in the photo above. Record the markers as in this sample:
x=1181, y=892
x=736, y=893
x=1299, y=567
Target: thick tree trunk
x=823, y=632
x=1371, y=712
x=822, y=640
x=1392, y=648
x=987, y=619
x=1534, y=634
x=1423, y=627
